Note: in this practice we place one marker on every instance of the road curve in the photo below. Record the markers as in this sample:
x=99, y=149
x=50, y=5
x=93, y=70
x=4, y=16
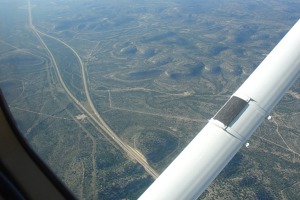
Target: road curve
x=97, y=118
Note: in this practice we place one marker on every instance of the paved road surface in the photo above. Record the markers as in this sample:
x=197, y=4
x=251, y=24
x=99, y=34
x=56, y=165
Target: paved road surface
x=97, y=118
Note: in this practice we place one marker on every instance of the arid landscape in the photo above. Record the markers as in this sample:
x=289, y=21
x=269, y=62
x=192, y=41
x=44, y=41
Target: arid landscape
x=108, y=93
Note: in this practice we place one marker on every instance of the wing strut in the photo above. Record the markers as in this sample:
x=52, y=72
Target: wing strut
x=211, y=150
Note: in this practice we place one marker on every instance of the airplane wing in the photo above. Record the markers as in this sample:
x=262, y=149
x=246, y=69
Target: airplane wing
x=211, y=150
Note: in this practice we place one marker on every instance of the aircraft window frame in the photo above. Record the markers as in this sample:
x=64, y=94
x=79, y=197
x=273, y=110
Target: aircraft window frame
x=23, y=175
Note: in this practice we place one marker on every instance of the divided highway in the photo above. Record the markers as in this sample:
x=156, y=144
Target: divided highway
x=95, y=116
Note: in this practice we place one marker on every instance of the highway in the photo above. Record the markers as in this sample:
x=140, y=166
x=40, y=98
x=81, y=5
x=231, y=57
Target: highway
x=95, y=117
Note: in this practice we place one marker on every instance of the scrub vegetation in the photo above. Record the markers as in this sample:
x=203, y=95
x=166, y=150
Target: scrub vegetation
x=156, y=72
